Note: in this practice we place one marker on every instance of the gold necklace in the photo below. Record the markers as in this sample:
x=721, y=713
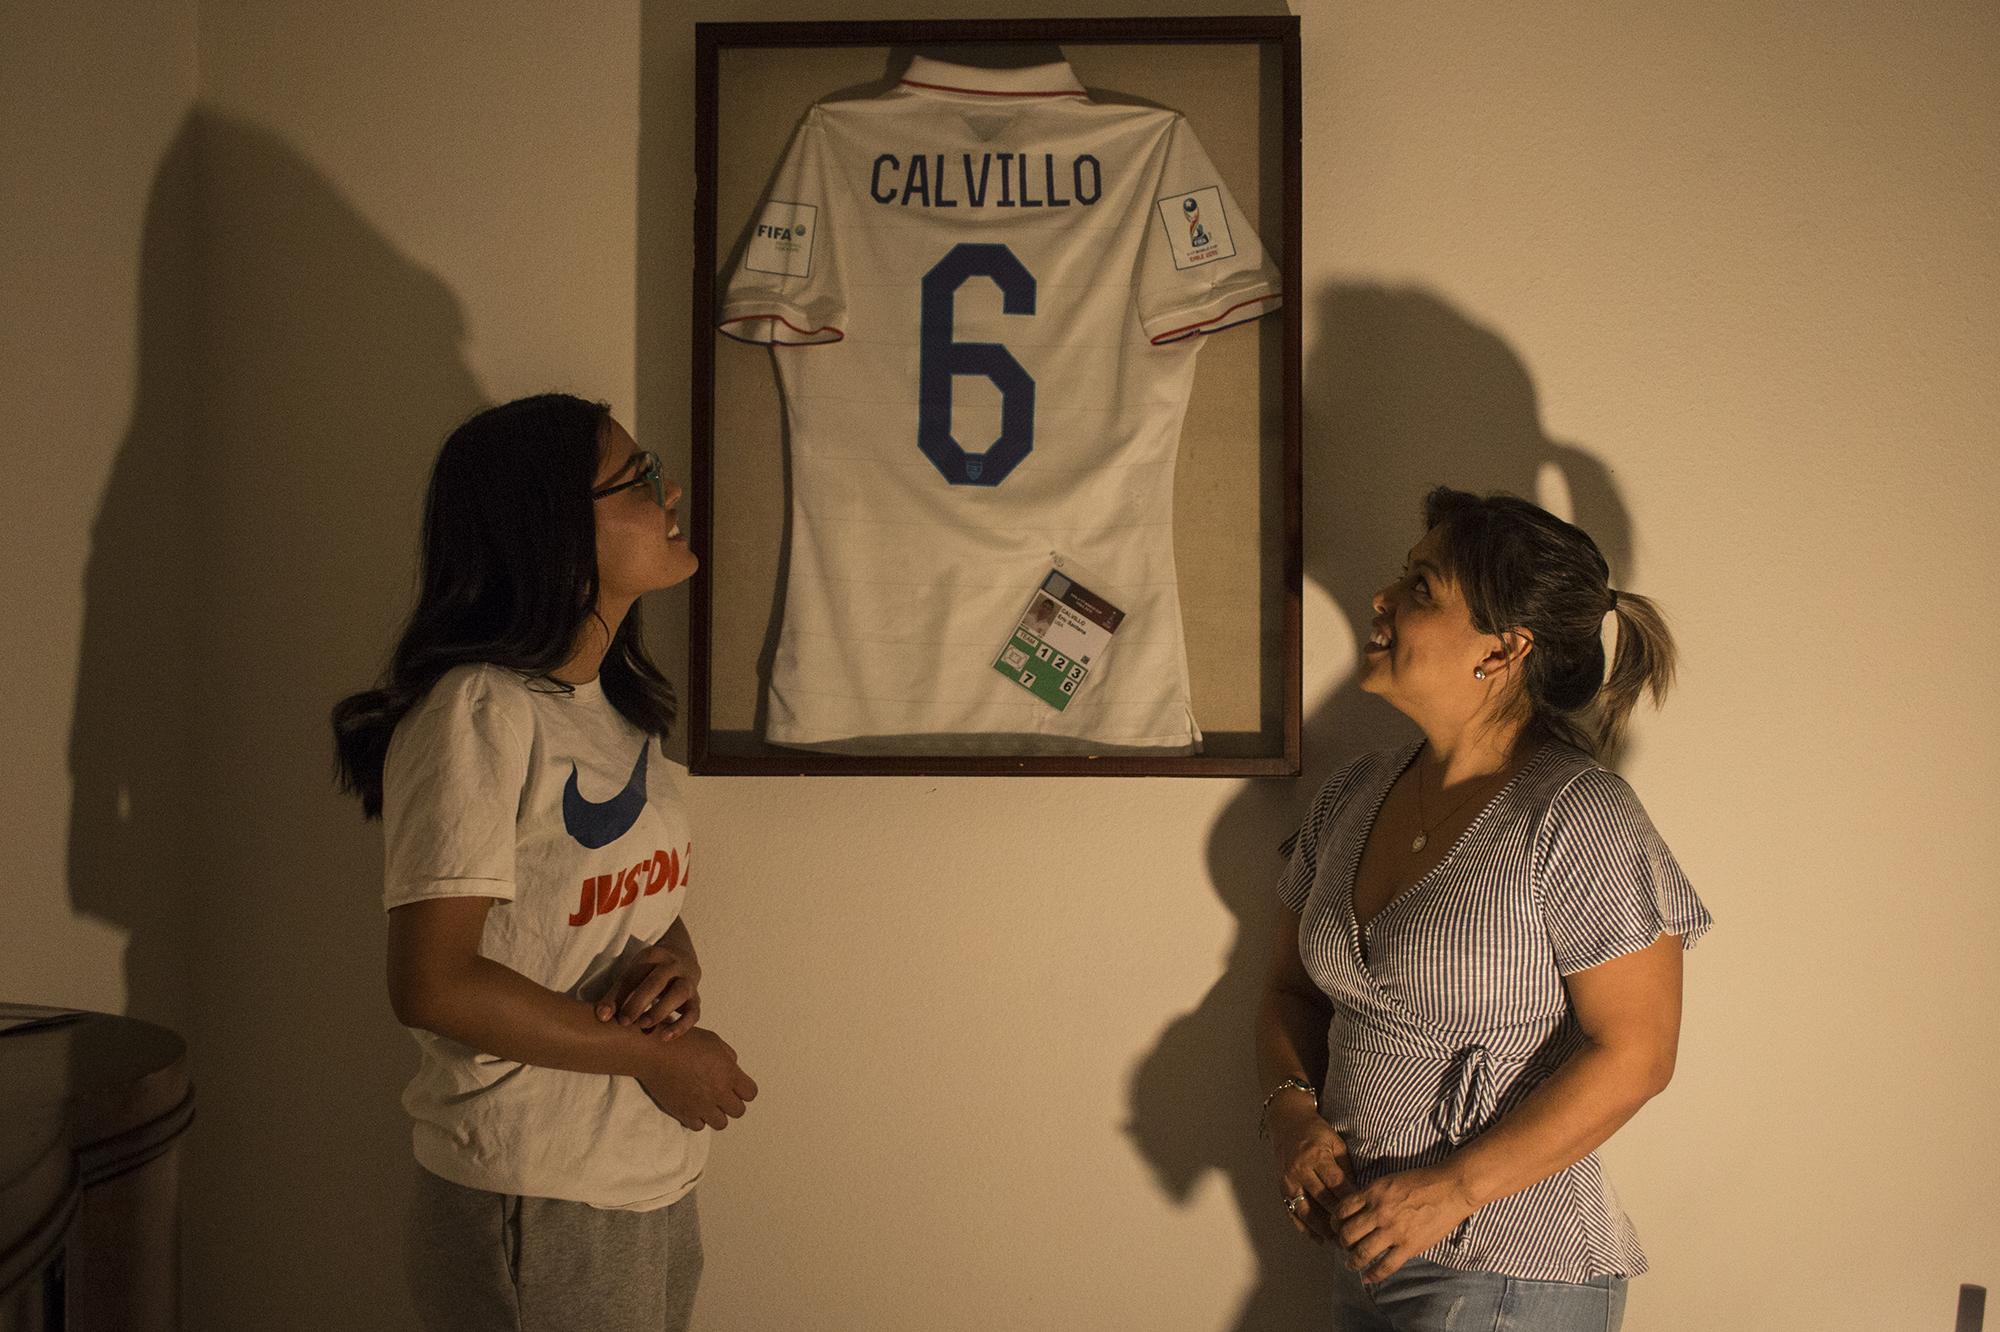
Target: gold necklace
x=1424, y=825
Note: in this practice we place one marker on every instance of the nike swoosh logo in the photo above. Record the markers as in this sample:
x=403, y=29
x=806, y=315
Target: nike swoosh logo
x=596, y=823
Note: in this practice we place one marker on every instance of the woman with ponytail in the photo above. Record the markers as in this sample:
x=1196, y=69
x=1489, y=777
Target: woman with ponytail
x=1477, y=975
x=538, y=857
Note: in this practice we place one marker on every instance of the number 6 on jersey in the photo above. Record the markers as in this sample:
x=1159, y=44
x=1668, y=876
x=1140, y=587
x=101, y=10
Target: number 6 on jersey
x=941, y=360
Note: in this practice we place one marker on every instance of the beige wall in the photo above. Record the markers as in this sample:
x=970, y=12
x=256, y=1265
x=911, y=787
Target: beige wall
x=1718, y=279
x=405, y=211
x=96, y=336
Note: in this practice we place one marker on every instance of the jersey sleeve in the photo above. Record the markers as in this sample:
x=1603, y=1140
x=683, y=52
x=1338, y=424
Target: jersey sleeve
x=451, y=792
x=1608, y=884
x=786, y=288
x=1201, y=268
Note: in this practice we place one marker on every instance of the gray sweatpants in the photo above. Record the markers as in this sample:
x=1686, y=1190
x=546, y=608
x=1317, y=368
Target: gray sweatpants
x=495, y=1262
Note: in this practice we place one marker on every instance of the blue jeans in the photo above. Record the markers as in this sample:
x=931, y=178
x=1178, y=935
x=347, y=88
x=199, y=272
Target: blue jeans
x=1423, y=1297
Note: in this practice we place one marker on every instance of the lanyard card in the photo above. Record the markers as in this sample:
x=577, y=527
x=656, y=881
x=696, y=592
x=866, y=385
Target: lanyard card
x=1064, y=629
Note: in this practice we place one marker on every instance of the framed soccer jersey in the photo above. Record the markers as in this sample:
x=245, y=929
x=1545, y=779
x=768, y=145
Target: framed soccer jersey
x=976, y=485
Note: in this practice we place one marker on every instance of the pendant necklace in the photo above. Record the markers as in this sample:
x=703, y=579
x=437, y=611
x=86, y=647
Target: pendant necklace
x=1424, y=825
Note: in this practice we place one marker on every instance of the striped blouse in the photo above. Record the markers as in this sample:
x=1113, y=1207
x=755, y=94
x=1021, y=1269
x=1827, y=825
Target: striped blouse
x=1449, y=1009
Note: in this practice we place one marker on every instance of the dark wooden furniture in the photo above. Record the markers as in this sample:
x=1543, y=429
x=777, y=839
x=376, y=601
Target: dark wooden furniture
x=92, y=1109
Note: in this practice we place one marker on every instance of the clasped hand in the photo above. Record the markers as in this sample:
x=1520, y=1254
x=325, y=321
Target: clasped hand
x=1398, y=1217
x=656, y=990
x=1313, y=1162
x=698, y=1082
x=1381, y=1225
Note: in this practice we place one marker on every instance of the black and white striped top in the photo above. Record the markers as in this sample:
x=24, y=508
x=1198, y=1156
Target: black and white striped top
x=1459, y=1010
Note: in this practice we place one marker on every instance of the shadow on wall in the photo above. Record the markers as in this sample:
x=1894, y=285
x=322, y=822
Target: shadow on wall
x=1401, y=393
x=131, y=835
x=215, y=642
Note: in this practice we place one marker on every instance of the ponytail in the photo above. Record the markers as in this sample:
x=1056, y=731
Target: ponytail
x=1643, y=663
x=1521, y=567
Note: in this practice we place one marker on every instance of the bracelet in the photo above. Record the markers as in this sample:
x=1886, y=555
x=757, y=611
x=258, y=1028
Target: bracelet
x=1264, y=1111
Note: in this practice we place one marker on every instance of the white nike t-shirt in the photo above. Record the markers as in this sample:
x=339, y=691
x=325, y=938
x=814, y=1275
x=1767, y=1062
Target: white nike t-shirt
x=988, y=290
x=566, y=813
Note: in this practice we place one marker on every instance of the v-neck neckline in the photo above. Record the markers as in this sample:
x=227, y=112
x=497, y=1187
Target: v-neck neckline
x=1356, y=932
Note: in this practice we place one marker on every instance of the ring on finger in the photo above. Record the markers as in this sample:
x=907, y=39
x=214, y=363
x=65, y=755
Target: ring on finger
x=1292, y=1203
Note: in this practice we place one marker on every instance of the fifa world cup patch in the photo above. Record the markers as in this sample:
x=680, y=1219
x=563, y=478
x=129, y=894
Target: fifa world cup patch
x=782, y=241
x=1197, y=229
x=1061, y=634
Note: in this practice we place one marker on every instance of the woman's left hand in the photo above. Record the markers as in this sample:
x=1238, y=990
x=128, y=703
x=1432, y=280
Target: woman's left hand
x=1398, y=1217
x=657, y=990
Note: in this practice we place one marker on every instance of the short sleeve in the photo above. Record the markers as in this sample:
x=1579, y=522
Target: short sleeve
x=1296, y=883
x=451, y=791
x=786, y=287
x=1608, y=884
x=1201, y=268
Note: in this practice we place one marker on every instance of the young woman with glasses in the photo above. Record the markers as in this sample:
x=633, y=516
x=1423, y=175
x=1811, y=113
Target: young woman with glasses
x=537, y=859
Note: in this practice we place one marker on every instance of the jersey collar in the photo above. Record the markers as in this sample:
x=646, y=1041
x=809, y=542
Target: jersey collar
x=937, y=76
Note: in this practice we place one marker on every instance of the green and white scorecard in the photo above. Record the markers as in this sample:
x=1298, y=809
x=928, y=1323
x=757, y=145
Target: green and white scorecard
x=1065, y=628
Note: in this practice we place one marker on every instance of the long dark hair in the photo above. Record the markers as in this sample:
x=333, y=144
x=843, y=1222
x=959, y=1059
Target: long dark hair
x=1521, y=567
x=509, y=577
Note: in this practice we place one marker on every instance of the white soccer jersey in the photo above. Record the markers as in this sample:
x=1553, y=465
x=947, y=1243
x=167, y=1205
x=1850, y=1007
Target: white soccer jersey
x=991, y=287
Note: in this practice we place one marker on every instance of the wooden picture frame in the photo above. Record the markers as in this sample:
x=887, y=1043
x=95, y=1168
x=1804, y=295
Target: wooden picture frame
x=1237, y=484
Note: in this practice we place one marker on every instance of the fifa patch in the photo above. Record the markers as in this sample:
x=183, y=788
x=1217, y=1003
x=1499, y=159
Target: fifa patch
x=782, y=241
x=1197, y=230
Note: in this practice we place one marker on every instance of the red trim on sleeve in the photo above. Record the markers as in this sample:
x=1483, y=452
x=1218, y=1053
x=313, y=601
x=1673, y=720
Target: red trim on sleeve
x=723, y=327
x=1173, y=334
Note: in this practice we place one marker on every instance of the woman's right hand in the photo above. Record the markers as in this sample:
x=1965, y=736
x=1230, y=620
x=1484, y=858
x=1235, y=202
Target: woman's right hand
x=1312, y=1160
x=696, y=1080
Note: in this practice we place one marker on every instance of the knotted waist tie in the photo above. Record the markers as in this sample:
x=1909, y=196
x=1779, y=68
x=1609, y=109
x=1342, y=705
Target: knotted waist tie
x=1468, y=1095
x=1466, y=1103
x=1465, y=1099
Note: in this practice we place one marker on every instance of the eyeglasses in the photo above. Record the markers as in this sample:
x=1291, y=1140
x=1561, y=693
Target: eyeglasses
x=649, y=475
